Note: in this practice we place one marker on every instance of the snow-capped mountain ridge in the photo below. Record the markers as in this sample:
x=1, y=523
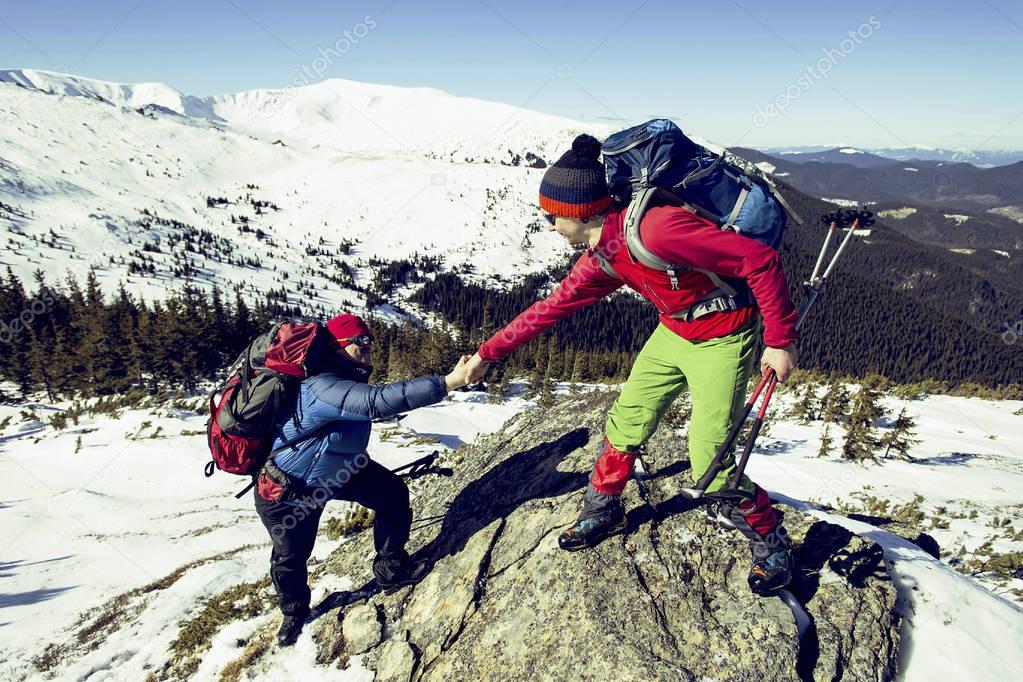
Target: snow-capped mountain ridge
x=120, y=94
x=344, y=114
x=390, y=171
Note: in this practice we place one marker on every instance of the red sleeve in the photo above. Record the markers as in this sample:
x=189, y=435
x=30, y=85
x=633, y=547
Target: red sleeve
x=586, y=283
x=680, y=236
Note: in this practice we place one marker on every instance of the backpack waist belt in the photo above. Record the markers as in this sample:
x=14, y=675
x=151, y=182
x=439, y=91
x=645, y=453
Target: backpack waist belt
x=715, y=301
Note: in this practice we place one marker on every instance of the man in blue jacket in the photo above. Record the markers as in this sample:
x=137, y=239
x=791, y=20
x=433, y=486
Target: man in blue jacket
x=329, y=423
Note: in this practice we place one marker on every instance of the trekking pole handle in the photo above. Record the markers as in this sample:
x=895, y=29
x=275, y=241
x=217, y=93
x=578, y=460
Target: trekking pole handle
x=815, y=285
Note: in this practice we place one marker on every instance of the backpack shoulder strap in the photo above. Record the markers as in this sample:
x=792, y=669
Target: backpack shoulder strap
x=639, y=252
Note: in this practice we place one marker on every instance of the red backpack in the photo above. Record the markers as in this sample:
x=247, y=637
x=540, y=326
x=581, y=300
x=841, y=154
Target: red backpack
x=242, y=409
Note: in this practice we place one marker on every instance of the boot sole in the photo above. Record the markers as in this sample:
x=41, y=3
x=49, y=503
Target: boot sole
x=391, y=589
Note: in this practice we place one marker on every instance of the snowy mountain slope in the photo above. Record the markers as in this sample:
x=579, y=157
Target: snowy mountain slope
x=115, y=504
x=84, y=163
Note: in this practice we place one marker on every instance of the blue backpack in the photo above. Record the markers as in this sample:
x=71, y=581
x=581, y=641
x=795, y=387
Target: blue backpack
x=655, y=161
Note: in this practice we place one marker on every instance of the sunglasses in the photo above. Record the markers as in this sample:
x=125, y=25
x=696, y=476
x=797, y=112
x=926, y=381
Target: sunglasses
x=551, y=218
x=362, y=340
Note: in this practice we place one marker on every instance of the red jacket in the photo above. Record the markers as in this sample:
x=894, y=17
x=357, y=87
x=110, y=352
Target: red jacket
x=677, y=236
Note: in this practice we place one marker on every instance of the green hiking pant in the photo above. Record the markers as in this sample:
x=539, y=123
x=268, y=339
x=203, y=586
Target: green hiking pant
x=716, y=372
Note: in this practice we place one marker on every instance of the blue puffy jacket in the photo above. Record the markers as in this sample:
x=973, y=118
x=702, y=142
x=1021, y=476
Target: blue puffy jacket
x=339, y=411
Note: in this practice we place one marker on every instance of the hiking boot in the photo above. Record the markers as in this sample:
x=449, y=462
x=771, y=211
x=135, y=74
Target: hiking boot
x=396, y=571
x=602, y=516
x=771, y=573
x=773, y=563
x=290, y=629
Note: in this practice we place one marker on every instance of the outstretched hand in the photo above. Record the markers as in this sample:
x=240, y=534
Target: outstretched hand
x=457, y=377
x=476, y=369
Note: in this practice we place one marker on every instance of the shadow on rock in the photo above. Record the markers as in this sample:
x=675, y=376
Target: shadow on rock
x=827, y=543
x=528, y=475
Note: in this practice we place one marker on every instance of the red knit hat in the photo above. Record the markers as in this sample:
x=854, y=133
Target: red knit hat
x=346, y=326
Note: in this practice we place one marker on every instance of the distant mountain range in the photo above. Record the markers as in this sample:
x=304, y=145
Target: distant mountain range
x=858, y=156
x=959, y=186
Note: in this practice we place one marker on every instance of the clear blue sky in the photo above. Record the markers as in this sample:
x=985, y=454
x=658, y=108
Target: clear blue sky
x=932, y=72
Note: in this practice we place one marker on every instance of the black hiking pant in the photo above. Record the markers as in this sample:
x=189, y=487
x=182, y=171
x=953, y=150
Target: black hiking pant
x=292, y=525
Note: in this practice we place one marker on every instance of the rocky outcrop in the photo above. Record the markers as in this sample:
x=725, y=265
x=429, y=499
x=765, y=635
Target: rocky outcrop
x=668, y=601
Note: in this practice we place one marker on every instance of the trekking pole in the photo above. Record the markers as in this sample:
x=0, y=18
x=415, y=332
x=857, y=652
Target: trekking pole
x=708, y=477
x=733, y=484
x=831, y=219
x=815, y=285
x=422, y=466
x=644, y=490
x=862, y=218
x=812, y=288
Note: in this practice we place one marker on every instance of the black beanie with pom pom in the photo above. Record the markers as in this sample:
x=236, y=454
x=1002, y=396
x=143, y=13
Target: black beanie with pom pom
x=575, y=186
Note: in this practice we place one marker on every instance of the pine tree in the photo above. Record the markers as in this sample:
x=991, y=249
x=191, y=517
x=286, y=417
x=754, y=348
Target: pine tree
x=17, y=317
x=825, y=448
x=807, y=406
x=39, y=364
x=835, y=403
x=899, y=439
x=243, y=326
x=100, y=358
x=546, y=397
x=497, y=386
x=578, y=364
x=538, y=371
x=861, y=437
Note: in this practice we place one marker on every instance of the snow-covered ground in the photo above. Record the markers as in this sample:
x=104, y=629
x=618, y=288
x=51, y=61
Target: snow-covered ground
x=965, y=484
x=112, y=504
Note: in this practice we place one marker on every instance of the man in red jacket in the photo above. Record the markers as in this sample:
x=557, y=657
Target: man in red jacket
x=704, y=339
